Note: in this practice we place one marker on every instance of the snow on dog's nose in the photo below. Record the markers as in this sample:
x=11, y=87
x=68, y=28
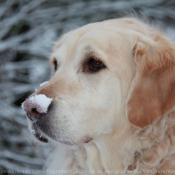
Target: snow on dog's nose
x=36, y=105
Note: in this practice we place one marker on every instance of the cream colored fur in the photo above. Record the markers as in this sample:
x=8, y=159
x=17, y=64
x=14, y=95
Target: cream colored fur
x=95, y=105
x=150, y=151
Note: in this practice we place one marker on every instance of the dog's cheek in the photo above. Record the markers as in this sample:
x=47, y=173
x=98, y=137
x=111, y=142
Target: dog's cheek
x=66, y=121
x=70, y=125
x=90, y=113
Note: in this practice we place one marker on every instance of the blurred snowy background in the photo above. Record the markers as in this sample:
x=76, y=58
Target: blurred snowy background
x=28, y=29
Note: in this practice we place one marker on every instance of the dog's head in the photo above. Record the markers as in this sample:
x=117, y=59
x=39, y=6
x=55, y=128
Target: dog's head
x=101, y=72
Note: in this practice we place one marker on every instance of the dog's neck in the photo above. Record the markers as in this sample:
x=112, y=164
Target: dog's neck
x=108, y=153
x=130, y=149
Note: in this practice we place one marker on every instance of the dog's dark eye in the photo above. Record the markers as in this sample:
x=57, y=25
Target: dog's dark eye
x=55, y=64
x=95, y=65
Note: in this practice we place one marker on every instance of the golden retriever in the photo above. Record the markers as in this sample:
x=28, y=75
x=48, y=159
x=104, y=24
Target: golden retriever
x=112, y=94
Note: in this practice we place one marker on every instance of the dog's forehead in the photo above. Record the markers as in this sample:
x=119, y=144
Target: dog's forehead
x=66, y=46
x=90, y=32
x=101, y=37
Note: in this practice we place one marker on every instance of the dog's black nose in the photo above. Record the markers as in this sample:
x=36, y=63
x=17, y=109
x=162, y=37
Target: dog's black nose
x=36, y=105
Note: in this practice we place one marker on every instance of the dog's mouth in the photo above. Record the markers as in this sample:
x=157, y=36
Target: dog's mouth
x=87, y=140
x=43, y=137
x=43, y=129
x=38, y=134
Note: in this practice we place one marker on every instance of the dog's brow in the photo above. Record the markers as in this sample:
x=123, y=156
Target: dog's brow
x=88, y=48
x=89, y=51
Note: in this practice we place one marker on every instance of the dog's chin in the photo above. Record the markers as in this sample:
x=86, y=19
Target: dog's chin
x=68, y=142
x=44, y=137
x=41, y=138
x=39, y=135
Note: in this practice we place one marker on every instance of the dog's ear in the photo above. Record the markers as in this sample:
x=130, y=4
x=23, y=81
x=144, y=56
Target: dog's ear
x=152, y=93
